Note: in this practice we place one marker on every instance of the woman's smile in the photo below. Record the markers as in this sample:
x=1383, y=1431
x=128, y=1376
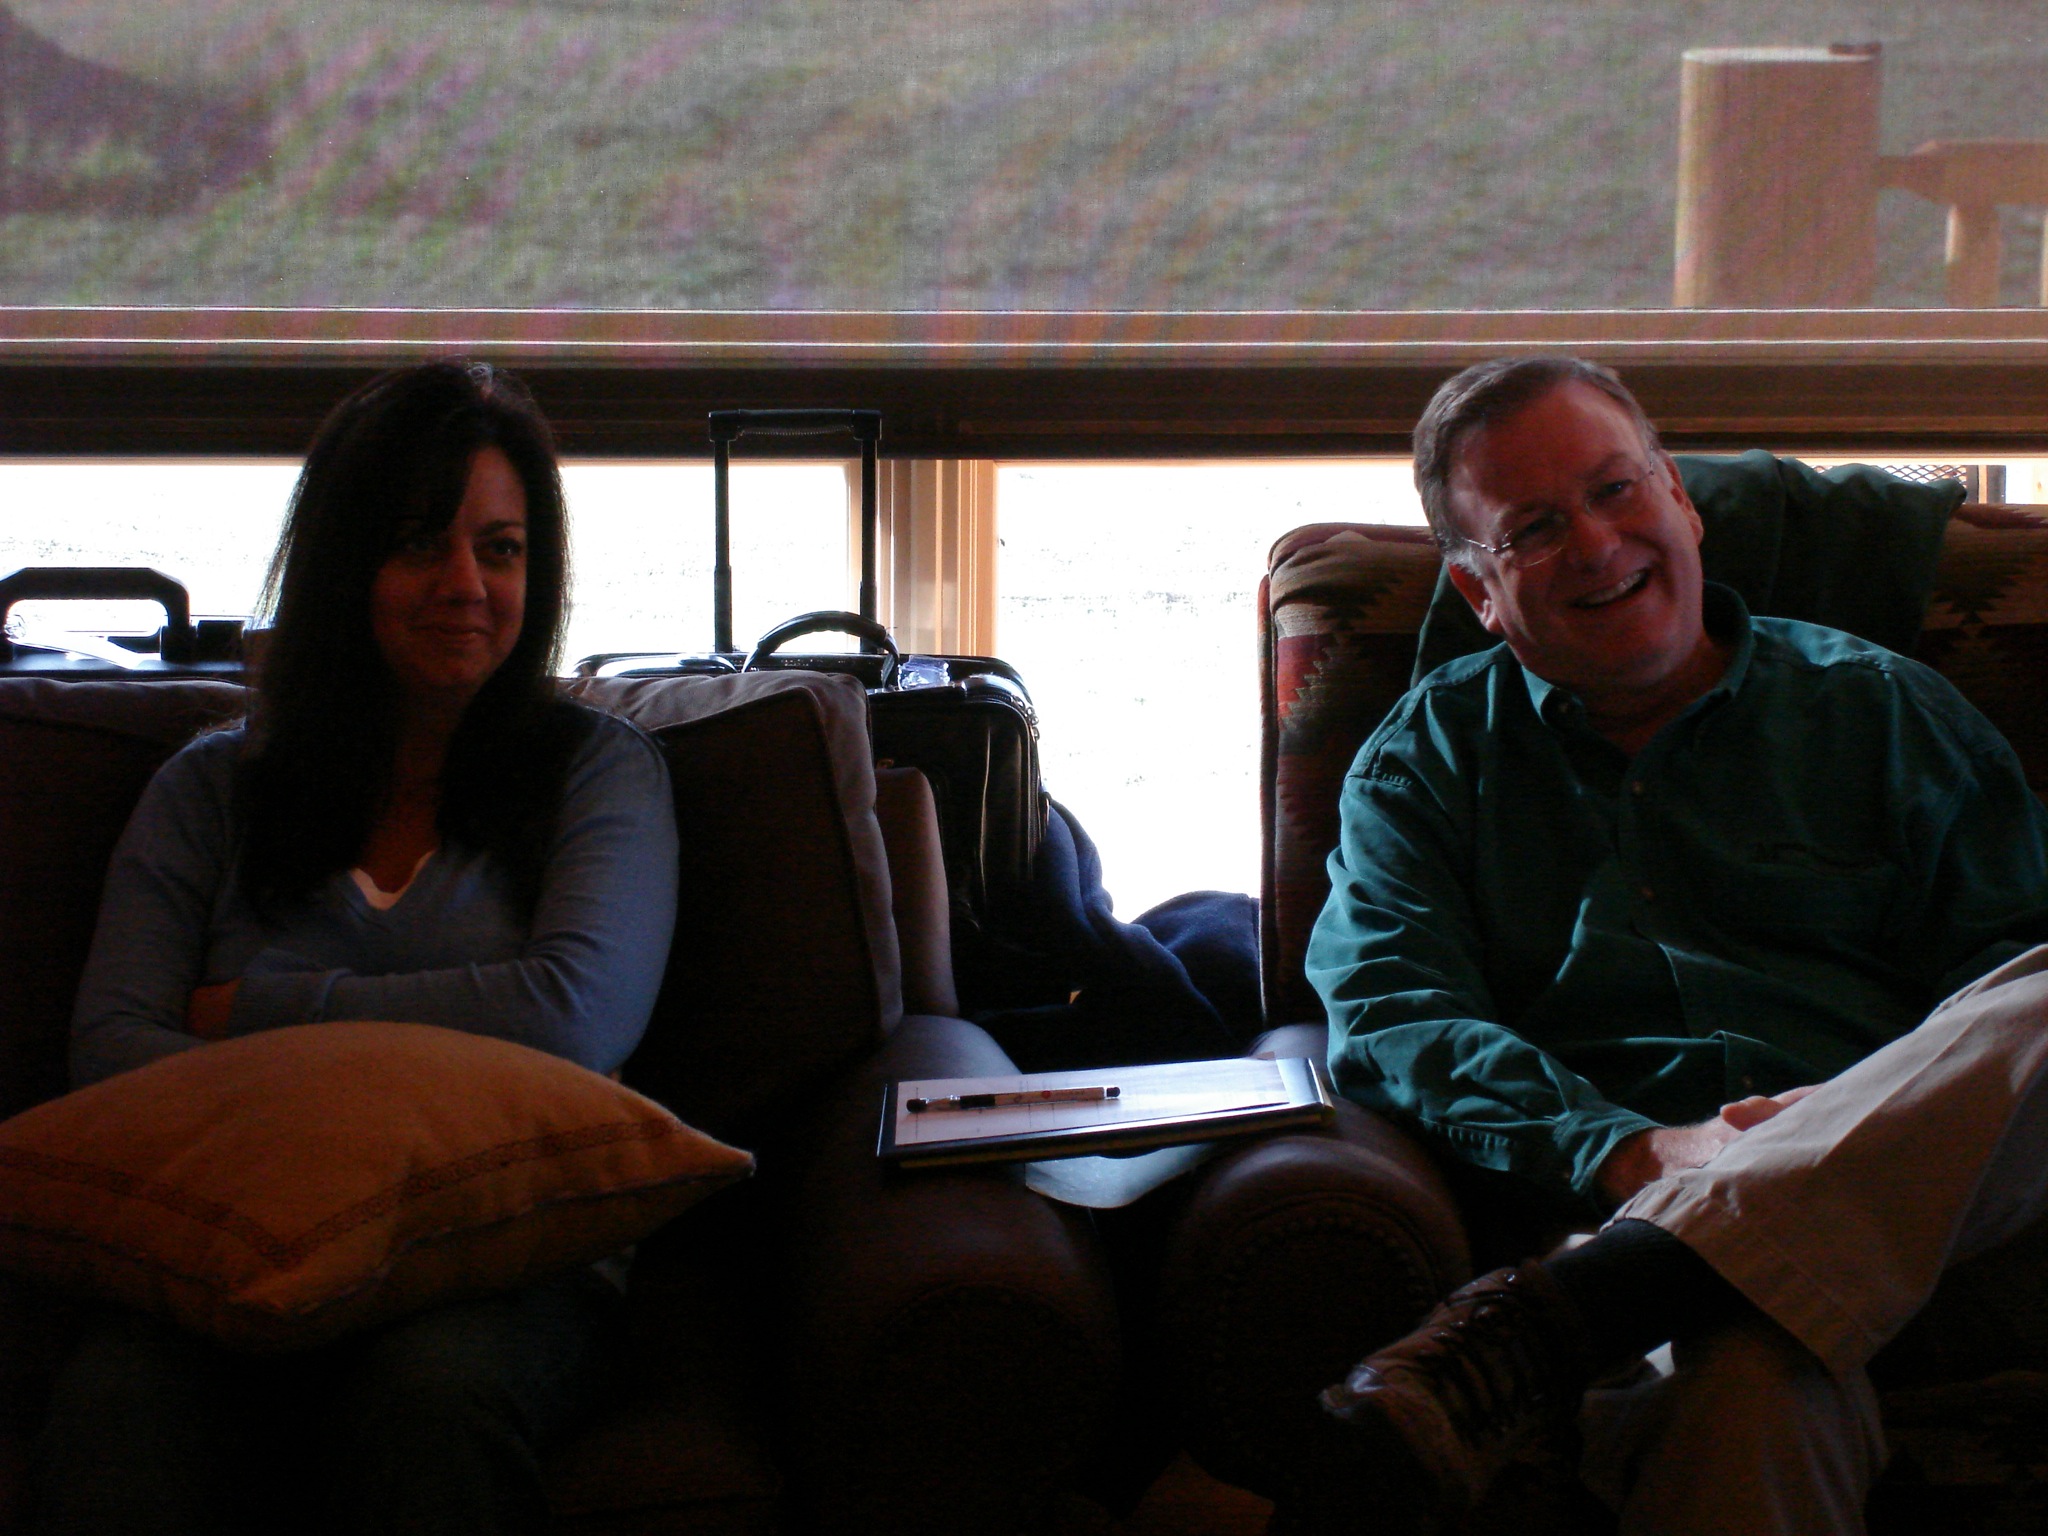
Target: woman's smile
x=448, y=604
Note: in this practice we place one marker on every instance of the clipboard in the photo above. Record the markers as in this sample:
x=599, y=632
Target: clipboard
x=1161, y=1105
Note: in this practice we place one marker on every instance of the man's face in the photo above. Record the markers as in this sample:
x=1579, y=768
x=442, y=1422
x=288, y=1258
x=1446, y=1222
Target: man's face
x=1615, y=611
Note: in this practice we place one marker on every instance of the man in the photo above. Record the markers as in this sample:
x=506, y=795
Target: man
x=1650, y=906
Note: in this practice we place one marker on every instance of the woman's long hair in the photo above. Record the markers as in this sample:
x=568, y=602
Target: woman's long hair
x=325, y=722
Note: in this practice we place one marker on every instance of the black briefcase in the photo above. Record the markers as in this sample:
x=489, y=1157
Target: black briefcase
x=965, y=722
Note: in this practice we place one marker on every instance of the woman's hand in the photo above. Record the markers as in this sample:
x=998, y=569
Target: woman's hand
x=206, y=1014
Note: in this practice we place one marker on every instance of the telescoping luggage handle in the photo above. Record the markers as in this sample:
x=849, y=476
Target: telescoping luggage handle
x=728, y=425
x=36, y=582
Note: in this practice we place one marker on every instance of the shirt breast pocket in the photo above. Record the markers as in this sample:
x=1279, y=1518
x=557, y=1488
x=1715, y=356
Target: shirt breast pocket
x=1794, y=892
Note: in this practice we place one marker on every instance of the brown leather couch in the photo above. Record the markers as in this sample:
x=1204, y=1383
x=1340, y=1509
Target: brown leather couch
x=1294, y=1257
x=830, y=1347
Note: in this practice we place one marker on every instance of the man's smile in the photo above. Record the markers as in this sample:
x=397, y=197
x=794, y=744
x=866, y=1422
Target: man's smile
x=1628, y=586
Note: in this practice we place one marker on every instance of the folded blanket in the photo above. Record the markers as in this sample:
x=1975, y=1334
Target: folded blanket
x=1179, y=984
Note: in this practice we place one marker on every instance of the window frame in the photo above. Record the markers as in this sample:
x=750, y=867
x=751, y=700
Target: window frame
x=1025, y=385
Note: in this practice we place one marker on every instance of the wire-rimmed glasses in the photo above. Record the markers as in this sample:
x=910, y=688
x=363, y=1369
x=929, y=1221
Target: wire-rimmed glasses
x=1542, y=532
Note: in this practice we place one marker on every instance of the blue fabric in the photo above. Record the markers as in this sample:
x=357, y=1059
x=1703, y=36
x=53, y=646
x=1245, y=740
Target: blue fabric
x=1535, y=946
x=578, y=979
x=1180, y=984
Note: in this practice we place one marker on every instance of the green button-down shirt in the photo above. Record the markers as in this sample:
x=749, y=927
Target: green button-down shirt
x=1535, y=945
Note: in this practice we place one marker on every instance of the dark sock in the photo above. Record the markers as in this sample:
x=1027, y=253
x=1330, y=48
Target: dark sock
x=1636, y=1286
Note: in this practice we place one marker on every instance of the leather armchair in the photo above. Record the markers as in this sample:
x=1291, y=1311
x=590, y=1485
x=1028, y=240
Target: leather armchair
x=830, y=1347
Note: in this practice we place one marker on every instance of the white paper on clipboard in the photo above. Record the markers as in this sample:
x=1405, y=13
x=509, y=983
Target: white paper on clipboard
x=1173, y=1091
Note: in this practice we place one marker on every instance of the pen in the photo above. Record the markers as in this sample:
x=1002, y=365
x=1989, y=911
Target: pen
x=1002, y=1100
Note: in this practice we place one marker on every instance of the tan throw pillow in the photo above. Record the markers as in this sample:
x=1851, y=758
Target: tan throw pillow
x=279, y=1190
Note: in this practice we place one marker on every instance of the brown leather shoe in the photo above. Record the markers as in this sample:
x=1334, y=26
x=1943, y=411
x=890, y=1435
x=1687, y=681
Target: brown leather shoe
x=1441, y=1412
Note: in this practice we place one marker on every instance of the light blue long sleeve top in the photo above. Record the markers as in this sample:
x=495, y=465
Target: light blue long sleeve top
x=577, y=978
x=1535, y=945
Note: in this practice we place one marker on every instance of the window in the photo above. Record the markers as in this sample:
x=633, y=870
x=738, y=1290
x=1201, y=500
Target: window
x=1078, y=155
x=1082, y=230
x=1126, y=598
x=209, y=524
x=1112, y=228
x=1128, y=602
x=640, y=536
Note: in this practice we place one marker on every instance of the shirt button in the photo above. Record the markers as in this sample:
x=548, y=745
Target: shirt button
x=1646, y=893
x=1636, y=788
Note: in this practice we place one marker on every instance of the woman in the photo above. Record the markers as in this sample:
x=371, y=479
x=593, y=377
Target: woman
x=412, y=825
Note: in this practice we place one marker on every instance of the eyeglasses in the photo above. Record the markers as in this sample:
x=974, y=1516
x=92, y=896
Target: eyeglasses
x=1543, y=533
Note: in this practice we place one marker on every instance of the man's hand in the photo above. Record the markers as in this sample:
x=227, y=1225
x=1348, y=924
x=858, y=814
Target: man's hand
x=206, y=1014
x=1651, y=1155
x=1755, y=1110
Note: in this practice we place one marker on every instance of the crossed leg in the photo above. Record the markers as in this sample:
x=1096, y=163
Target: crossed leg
x=1837, y=1219
x=1748, y=1435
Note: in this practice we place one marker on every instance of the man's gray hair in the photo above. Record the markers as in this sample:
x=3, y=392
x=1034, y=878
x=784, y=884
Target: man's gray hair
x=1479, y=397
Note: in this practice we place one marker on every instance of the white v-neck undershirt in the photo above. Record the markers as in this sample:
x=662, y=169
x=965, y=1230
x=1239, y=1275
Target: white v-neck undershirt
x=381, y=900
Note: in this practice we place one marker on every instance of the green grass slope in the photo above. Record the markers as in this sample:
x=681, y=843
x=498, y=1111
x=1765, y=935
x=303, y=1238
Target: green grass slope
x=916, y=153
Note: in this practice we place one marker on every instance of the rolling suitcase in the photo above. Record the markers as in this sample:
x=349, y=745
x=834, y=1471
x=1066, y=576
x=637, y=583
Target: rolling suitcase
x=183, y=647
x=966, y=722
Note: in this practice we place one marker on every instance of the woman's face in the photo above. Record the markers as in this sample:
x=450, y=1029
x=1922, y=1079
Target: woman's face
x=446, y=607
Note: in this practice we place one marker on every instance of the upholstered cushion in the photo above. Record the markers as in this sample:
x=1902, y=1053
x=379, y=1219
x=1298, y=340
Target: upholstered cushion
x=278, y=1190
x=784, y=966
x=73, y=759
x=1986, y=628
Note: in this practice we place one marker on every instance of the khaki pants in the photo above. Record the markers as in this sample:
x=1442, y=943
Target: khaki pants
x=1837, y=1219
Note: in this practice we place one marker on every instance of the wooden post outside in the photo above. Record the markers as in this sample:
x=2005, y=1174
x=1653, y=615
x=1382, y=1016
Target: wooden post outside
x=1777, y=165
x=1973, y=256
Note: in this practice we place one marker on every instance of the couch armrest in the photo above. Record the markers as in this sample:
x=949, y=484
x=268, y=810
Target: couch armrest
x=953, y=1344
x=1295, y=1257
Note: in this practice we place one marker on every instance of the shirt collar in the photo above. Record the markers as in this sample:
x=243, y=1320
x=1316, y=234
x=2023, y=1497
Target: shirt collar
x=1726, y=617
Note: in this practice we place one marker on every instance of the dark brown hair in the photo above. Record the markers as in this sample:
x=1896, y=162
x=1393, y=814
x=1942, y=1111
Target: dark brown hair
x=324, y=726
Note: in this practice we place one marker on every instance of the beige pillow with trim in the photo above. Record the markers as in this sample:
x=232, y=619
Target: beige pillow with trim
x=281, y=1189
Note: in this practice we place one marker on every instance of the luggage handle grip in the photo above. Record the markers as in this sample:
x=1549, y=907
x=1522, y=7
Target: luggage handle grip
x=725, y=427
x=828, y=621
x=86, y=582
